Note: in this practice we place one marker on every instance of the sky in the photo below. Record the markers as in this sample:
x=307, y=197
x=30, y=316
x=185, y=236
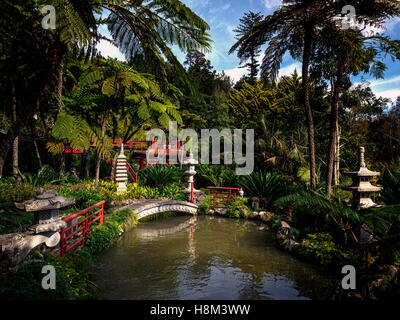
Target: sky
x=223, y=17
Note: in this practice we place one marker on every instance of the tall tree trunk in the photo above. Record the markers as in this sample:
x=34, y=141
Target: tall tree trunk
x=37, y=154
x=334, y=122
x=113, y=166
x=60, y=85
x=59, y=102
x=62, y=163
x=36, y=148
x=87, y=164
x=336, y=171
x=98, y=157
x=15, y=158
x=307, y=106
x=15, y=142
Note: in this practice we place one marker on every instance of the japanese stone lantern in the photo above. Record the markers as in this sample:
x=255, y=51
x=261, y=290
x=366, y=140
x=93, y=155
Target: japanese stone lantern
x=361, y=187
x=190, y=173
x=122, y=172
x=46, y=226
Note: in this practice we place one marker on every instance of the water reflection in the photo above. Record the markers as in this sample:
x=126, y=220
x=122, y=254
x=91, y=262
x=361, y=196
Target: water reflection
x=188, y=257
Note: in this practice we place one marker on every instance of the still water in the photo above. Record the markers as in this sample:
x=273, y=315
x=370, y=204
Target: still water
x=203, y=257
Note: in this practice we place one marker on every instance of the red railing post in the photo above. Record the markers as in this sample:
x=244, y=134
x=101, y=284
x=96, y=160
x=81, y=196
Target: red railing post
x=82, y=226
x=102, y=214
x=62, y=242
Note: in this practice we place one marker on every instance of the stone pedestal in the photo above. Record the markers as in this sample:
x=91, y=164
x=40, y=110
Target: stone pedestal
x=198, y=195
x=46, y=227
x=122, y=172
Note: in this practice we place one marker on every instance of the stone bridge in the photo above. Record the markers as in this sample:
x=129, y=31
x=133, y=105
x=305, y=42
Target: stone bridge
x=148, y=207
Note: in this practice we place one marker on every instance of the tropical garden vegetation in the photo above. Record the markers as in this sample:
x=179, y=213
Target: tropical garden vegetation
x=59, y=92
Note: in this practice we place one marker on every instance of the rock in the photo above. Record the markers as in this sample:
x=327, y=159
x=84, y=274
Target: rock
x=244, y=213
x=253, y=215
x=285, y=237
x=220, y=211
x=290, y=245
x=266, y=216
x=284, y=224
x=354, y=296
x=390, y=272
x=380, y=286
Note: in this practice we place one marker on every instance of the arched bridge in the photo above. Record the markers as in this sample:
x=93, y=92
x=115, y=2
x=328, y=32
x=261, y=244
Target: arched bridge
x=148, y=207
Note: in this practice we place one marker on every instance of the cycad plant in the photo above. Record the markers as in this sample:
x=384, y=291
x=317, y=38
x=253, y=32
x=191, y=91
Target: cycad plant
x=216, y=176
x=160, y=176
x=266, y=186
x=46, y=175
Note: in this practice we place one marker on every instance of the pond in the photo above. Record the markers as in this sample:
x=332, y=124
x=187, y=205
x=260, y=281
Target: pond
x=205, y=257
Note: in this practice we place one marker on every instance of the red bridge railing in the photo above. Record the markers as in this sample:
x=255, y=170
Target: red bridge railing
x=81, y=225
x=221, y=197
x=131, y=172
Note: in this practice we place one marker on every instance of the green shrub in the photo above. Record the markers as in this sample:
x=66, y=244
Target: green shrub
x=104, y=236
x=319, y=247
x=85, y=196
x=72, y=278
x=236, y=206
x=11, y=219
x=205, y=204
x=14, y=192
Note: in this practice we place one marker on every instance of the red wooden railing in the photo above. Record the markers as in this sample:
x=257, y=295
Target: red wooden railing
x=221, y=197
x=77, y=232
x=136, y=145
x=131, y=172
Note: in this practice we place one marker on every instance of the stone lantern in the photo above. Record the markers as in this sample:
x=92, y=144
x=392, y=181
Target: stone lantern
x=361, y=187
x=190, y=173
x=122, y=172
x=46, y=226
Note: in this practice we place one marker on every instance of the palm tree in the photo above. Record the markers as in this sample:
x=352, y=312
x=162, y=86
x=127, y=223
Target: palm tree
x=349, y=51
x=108, y=88
x=147, y=27
x=291, y=28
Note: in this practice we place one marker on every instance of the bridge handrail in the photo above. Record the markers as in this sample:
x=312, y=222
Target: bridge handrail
x=82, y=226
x=222, y=197
x=132, y=173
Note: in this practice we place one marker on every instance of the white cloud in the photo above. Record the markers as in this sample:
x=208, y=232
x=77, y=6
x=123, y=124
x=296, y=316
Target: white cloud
x=376, y=83
x=391, y=94
x=272, y=4
x=237, y=72
x=109, y=50
x=288, y=70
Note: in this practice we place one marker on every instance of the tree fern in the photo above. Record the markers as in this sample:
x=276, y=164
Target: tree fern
x=318, y=204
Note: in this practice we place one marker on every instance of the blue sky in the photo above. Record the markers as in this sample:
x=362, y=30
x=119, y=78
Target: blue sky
x=223, y=17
